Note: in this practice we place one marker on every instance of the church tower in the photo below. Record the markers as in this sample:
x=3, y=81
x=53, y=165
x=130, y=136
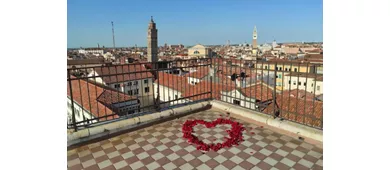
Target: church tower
x=254, y=42
x=152, y=41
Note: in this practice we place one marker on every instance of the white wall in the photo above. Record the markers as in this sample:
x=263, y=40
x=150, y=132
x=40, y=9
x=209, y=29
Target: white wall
x=79, y=112
x=168, y=94
x=236, y=95
x=309, y=86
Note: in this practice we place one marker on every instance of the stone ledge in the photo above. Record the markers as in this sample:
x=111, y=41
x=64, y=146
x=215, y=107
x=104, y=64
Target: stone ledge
x=118, y=127
x=295, y=128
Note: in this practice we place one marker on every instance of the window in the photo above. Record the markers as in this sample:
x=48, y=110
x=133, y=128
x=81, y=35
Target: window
x=265, y=67
x=295, y=83
x=289, y=69
x=146, y=89
x=136, y=91
x=129, y=83
x=130, y=92
x=289, y=82
x=136, y=83
x=236, y=102
x=117, y=85
x=311, y=84
x=318, y=87
x=295, y=69
x=176, y=96
x=304, y=84
x=192, y=82
x=285, y=69
x=279, y=76
x=299, y=83
x=146, y=81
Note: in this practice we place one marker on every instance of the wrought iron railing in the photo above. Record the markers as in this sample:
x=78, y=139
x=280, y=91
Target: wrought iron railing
x=285, y=89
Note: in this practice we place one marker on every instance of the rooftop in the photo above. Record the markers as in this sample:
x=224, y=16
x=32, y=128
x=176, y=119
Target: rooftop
x=161, y=146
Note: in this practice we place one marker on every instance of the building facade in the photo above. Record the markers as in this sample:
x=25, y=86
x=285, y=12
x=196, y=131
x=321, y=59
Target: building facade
x=200, y=51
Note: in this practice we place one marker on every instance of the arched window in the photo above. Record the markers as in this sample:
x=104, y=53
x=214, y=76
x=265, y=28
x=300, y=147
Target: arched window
x=196, y=52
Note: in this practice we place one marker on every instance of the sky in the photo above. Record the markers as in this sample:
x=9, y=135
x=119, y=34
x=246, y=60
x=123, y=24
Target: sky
x=190, y=22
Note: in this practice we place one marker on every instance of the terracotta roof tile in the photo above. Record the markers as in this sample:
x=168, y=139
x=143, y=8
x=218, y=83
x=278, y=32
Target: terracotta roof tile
x=127, y=71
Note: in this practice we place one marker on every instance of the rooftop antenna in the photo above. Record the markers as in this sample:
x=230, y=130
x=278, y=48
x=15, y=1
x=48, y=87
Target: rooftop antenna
x=113, y=36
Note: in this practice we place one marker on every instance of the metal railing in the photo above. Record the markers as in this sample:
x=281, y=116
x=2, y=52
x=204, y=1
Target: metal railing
x=113, y=92
x=287, y=90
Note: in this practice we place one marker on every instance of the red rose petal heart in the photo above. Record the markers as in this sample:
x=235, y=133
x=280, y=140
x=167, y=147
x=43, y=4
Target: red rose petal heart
x=235, y=134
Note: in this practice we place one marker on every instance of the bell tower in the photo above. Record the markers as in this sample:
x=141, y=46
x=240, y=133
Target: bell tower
x=152, y=41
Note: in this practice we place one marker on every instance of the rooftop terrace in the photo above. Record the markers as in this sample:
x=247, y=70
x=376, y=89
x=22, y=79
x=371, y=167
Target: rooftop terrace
x=161, y=146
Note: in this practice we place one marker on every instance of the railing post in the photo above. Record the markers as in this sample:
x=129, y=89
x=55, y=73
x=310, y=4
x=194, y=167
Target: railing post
x=211, y=79
x=274, y=92
x=71, y=100
x=158, y=86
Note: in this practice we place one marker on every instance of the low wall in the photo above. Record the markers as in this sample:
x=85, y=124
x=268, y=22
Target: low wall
x=295, y=128
x=118, y=127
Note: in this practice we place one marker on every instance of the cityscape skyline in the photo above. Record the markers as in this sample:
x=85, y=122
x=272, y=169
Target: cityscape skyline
x=272, y=19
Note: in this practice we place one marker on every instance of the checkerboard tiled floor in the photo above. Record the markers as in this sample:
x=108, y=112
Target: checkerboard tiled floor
x=161, y=146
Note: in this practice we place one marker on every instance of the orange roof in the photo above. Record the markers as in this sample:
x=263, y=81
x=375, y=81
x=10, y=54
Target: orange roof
x=204, y=87
x=259, y=92
x=126, y=72
x=294, y=109
x=95, y=99
x=200, y=72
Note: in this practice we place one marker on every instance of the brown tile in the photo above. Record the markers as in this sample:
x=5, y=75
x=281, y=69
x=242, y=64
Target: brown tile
x=147, y=160
x=128, y=168
x=138, y=151
x=259, y=156
x=183, y=144
x=195, y=162
x=117, y=142
x=163, y=161
x=148, y=136
x=316, y=167
x=101, y=158
x=170, y=144
x=104, y=142
x=293, y=157
x=265, y=140
x=92, y=167
x=310, y=158
x=71, y=157
x=76, y=167
x=271, y=148
x=286, y=148
x=246, y=165
x=131, y=160
x=86, y=158
x=167, y=152
x=300, y=167
x=109, y=150
x=129, y=143
x=229, y=164
x=317, y=149
x=281, y=166
x=124, y=150
x=227, y=154
x=160, y=168
x=116, y=159
x=263, y=165
x=241, y=147
x=143, y=143
x=243, y=155
x=252, y=140
x=256, y=147
x=302, y=149
x=197, y=153
x=111, y=167
x=181, y=152
x=179, y=161
x=211, y=154
x=142, y=168
x=96, y=149
x=276, y=156
x=212, y=163
x=281, y=141
x=152, y=151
